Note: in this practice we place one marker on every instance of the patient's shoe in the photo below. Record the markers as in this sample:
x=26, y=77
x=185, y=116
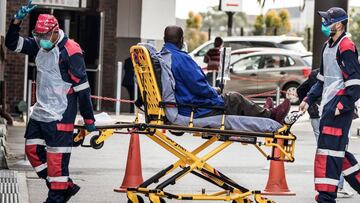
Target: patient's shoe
x=279, y=113
x=269, y=103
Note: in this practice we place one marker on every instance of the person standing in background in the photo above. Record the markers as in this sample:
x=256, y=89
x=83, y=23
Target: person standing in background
x=212, y=58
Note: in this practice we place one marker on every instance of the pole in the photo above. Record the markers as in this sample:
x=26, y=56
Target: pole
x=230, y=23
x=214, y=78
x=209, y=33
x=277, y=95
x=101, y=54
x=318, y=37
x=26, y=71
x=118, y=88
x=28, y=101
x=135, y=94
x=308, y=39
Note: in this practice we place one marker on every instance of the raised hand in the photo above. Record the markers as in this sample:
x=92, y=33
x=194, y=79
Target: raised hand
x=24, y=10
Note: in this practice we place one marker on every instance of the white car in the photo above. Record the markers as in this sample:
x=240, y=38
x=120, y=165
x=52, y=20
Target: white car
x=284, y=42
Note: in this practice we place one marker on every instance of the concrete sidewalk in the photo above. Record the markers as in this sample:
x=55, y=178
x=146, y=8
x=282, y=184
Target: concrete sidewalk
x=98, y=172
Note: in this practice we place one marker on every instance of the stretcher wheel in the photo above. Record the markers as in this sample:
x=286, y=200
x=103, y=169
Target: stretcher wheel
x=177, y=133
x=139, y=198
x=94, y=144
x=78, y=143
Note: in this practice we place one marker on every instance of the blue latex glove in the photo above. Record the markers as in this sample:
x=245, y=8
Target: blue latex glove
x=90, y=127
x=24, y=10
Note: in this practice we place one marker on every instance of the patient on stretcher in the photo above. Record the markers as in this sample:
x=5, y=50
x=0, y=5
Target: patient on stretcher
x=191, y=87
x=181, y=81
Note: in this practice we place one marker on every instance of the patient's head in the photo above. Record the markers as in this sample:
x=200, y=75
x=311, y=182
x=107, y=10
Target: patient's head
x=175, y=35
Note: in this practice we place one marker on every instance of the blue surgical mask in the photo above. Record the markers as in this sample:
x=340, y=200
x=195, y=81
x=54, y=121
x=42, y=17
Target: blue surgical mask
x=46, y=44
x=326, y=30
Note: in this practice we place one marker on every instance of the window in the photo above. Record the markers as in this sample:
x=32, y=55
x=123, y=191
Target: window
x=248, y=63
x=262, y=44
x=308, y=60
x=290, y=61
x=293, y=45
x=277, y=61
x=237, y=45
x=205, y=49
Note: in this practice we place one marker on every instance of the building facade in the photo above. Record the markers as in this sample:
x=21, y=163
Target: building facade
x=105, y=29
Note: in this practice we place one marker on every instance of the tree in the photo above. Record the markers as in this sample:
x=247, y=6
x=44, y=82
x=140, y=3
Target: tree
x=285, y=21
x=193, y=35
x=194, y=21
x=259, y=25
x=272, y=22
x=354, y=27
x=275, y=23
x=217, y=21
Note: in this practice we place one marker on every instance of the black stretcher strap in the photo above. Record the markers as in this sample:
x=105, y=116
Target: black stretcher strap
x=174, y=105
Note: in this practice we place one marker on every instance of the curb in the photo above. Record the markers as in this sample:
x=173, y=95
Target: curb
x=3, y=133
x=9, y=187
x=23, y=187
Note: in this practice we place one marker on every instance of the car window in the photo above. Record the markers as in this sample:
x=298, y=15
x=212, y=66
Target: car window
x=262, y=44
x=248, y=63
x=290, y=61
x=271, y=61
x=235, y=57
x=237, y=45
x=278, y=61
x=308, y=60
x=203, y=51
x=293, y=45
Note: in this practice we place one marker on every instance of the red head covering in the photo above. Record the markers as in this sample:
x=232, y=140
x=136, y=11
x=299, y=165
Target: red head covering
x=46, y=23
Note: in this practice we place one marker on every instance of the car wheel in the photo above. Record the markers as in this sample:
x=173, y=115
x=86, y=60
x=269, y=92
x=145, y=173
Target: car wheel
x=289, y=92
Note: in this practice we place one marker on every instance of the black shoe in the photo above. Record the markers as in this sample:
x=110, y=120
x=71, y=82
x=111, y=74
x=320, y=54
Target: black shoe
x=71, y=191
x=279, y=113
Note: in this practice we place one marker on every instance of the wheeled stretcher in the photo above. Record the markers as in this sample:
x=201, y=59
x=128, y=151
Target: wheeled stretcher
x=278, y=137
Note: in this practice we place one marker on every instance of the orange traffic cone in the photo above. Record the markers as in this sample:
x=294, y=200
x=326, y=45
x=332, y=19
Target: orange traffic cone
x=133, y=173
x=276, y=184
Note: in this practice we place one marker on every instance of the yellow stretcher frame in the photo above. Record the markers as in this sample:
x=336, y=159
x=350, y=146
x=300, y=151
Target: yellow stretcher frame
x=281, y=142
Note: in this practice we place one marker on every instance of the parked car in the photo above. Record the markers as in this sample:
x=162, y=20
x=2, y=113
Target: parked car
x=236, y=54
x=264, y=71
x=285, y=42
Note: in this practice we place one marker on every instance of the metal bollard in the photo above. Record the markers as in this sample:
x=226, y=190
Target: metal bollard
x=277, y=95
x=118, y=88
x=214, y=78
x=135, y=94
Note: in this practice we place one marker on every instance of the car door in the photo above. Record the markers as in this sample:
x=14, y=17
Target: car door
x=243, y=75
x=277, y=70
x=270, y=75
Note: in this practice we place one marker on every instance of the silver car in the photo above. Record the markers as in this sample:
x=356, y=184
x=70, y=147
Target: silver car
x=284, y=42
x=264, y=71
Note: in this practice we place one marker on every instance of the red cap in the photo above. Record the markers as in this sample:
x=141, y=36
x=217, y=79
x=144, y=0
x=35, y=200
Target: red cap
x=46, y=23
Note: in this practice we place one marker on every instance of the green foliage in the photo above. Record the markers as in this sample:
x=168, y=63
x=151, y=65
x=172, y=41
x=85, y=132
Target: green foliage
x=217, y=21
x=275, y=23
x=354, y=28
x=285, y=21
x=259, y=25
x=193, y=35
x=194, y=20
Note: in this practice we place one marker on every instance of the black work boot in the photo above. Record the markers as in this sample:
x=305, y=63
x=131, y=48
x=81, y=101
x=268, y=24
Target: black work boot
x=71, y=191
